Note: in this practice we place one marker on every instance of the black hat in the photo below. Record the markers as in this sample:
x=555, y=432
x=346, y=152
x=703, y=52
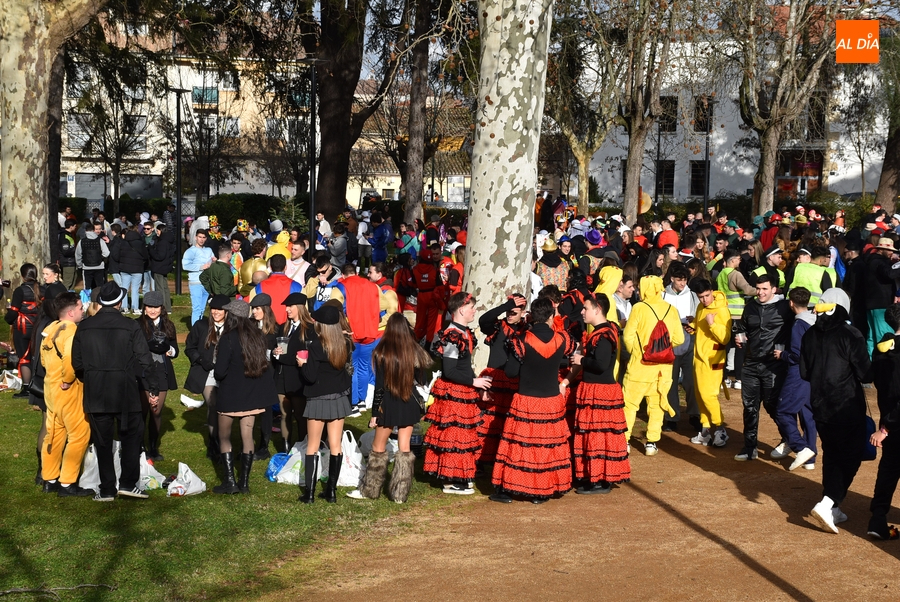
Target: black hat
x=110, y=294
x=261, y=300
x=773, y=250
x=219, y=301
x=295, y=299
x=327, y=315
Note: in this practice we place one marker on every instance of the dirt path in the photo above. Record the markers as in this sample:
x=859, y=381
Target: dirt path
x=693, y=524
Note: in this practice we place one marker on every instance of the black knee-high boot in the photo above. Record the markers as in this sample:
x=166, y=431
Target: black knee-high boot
x=311, y=464
x=244, y=479
x=334, y=472
x=228, y=484
x=265, y=435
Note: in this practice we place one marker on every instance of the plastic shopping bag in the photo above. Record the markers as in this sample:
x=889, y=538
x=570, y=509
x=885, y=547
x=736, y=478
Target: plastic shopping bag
x=150, y=477
x=90, y=475
x=10, y=381
x=275, y=465
x=351, y=466
x=186, y=483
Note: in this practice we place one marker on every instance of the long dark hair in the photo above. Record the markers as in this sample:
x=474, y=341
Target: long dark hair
x=252, y=342
x=399, y=356
x=29, y=277
x=165, y=324
x=212, y=339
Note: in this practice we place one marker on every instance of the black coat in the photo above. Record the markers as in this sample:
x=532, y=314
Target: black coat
x=66, y=250
x=164, y=370
x=886, y=372
x=766, y=325
x=879, y=285
x=108, y=350
x=835, y=361
x=131, y=254
x=162, y=254
x=112, y=261
x=237, y=392
x=287, y=372
x=200, y=357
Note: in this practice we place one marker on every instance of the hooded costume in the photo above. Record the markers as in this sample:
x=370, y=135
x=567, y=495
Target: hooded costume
x=649, y=380
x=281, y=246
x=794, y=402
x=710, y=350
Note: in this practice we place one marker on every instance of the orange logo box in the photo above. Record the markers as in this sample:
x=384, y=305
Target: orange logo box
x=857, y=41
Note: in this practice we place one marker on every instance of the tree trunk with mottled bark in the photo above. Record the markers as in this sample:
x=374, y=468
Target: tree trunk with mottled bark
x=583, y=157
x=889, y=182
x=418, y=94
x=31, y=34
x=633, y=167
x=764, y=179
x=514, y=44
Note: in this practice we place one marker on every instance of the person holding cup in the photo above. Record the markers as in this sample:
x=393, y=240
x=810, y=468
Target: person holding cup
x=159, y=331
x=295, y=335
x=261, y=313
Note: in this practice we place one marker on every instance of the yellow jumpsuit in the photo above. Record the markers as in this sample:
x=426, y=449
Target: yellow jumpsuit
x=68, y=431
x=650, y=381
x=710, y=350
x=281, y=246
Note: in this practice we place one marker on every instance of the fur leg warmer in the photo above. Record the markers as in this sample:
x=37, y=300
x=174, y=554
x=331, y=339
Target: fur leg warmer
x=373, y=480
x=401, y=477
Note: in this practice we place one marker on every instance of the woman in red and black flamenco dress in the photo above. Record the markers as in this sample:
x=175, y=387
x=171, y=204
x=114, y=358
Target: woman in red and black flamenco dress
x=495, y=403
x=600, y=449
x=452, y=439
x=534, y=459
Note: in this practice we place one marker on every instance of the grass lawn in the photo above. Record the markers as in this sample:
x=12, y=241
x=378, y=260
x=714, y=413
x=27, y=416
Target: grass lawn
x=201, y=547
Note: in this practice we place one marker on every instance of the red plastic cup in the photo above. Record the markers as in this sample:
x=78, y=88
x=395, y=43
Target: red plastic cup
x=303, y=354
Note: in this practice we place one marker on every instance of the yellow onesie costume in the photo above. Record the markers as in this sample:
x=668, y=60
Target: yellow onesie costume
x=609, y=279
x=642, y=380
x=281, y=246
x=709, y=357
x=68, y=431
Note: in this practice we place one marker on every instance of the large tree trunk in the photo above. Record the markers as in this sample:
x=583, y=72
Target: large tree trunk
x=634, y=166
x=514, y=45
x=54, y=141
x=31, y=33
x=764, y=180
x=415, y=154
x=583, y=157
x=889, y=182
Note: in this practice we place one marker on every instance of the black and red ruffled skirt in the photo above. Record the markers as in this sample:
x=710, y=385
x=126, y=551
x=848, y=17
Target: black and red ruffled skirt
x=600, y=449
x=452, y=439
x=494, y=411
x=533, y=458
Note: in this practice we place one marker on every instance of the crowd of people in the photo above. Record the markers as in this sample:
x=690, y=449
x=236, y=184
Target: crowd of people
x=795, y=311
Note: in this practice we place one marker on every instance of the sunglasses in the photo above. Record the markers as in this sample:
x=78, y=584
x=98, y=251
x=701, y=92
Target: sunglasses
x=325, y=273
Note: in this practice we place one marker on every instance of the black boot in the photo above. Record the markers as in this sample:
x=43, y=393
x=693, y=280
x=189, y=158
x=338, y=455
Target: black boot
x=228, y=484
x=246, y=465
x=311, y=464
x=212, y=450
x=334, y=473
x=265, y=435
x=38, y=479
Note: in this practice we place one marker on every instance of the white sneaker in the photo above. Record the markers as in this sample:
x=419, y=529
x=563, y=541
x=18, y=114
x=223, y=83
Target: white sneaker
x=803, y=456
x=781, y=450
x=836, y=514
x=650, y=449
x=720, y=438
x=133, y=493
x=736, y=385
x=701, y=439
x=354, y=414
x=809, y=466
x=356, y=495
x=822, y=515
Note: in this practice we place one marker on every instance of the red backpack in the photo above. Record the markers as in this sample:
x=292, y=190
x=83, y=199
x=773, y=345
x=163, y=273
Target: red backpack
x=658, y=349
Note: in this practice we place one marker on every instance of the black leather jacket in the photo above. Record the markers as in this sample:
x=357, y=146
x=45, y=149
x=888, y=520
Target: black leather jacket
x=766, y=325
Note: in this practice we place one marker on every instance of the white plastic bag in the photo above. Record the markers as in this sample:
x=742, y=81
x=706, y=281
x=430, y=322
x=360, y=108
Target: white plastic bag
x=90, y=475
x=150, y=477
x=351, y=466
x=294, y=470
x=365, y=445
x=190, y=402
x=186, y=483
x=10, y=381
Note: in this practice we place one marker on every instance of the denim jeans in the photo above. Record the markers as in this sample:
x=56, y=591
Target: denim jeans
x=198, y=301
x=149, y=284
x=132, y=284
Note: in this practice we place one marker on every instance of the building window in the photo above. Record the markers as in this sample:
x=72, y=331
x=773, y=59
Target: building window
x=137, y=127
x=701, y=115
x=76, y=128
x=79, y=82
x=205, y=96
x=387, y=193
x=136, y=29
x=229, y=81
x=668, y=122
x=231, y=127
x=698, y=178
x=667, y=177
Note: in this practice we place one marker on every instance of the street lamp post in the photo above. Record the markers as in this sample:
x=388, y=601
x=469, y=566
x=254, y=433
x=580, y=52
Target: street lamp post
x=710, y=111
x=178, y=92
x=312, y=62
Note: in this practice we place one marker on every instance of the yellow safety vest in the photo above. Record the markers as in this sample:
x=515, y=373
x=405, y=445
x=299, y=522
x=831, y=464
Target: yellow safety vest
x=809, y=276
x=734, y=298
x=762, y=270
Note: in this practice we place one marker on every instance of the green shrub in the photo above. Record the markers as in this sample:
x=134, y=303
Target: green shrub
x=228, y=208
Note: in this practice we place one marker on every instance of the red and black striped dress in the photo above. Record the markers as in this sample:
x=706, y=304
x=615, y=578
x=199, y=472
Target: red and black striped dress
x=495, y=405
x=600, y=448
x=534, y=457
x=452, y=439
